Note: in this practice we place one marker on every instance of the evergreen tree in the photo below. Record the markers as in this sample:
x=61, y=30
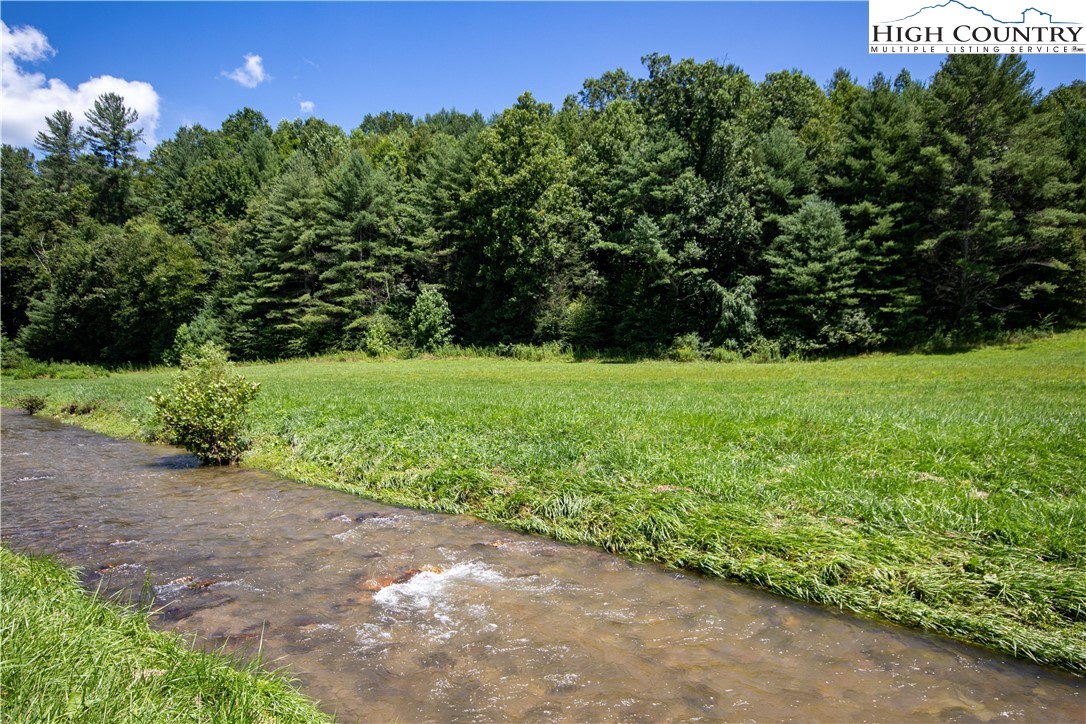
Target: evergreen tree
x=977, y=101
x=1039, y=260
x=440, y=197
x=812, y=273
x=880, y=181
x=111, y=133
x=276, y=313
x=61, y=144
x=24, y=263
x=111, y=136
x=366, y=250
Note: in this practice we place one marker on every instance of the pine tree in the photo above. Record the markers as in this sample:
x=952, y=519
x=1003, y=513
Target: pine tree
x=61, y=144
x=977, y=102
x=112, y=136
x=811, y=283
x=879, y=183
x=276, y=313
x=111, y=133
x=366, y=251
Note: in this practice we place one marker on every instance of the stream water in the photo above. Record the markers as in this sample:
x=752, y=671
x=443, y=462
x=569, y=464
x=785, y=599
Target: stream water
x=484, y=625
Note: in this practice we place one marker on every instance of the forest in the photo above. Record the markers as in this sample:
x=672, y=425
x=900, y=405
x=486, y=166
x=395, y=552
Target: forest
x=690, y=208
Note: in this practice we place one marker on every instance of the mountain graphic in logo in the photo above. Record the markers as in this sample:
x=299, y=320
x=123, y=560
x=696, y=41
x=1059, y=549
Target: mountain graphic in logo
x=1029, y=16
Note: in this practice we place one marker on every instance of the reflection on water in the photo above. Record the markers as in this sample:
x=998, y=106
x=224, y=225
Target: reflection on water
x=385, y=613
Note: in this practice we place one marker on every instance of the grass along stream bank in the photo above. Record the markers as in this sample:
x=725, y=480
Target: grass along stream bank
x=69, y=656
x=946, y=493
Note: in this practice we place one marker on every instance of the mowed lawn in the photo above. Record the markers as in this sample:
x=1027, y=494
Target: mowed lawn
x=946, y=492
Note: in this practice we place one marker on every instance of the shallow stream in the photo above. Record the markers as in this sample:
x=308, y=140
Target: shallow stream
x=385, y=613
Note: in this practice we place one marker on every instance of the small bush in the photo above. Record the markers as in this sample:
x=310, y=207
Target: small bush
x=378, y=340
x=31, y=403
x=182, y=345
x=205, y=411
x=430, y=321
x=725, y=354
x=80, y=408
x=852, y=333
x=545, y=352
x=12, y=355
x=687, y=348
x=30, y=369
x=762, y=350
x=202, y=328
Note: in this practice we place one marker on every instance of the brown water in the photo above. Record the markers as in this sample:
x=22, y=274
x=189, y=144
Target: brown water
x=513, y=627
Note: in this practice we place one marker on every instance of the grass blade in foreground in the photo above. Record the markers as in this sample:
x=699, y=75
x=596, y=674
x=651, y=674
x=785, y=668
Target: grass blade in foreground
x=68, y=656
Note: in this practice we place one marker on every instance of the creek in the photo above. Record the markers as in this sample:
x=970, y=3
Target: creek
x=386, y=613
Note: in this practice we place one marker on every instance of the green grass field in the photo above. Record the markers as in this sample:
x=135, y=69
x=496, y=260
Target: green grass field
x=70, y=657
x=945, y=492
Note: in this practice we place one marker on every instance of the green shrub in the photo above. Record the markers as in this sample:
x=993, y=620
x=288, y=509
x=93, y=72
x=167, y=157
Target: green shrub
x=762, y=350
x=738, y=323
x=17, y=364
x=544, y=352
x=205, y=411
x=31, y=403
x=687, y=348
x=202, y=328
x=378, y=340
x=725, y=354
x=182, y=345
x=80, y=408
x=12, y=355
x=430, y=320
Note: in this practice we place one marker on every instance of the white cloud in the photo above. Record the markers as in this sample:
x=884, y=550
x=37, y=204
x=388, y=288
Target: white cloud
x=26, y=43
x=28, y=98
x=251, y=74
x=306, y=106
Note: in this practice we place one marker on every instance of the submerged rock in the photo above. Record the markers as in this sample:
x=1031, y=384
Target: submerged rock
x=181, y=580
x=373, y=585
x=204, y=583
x=174, y=613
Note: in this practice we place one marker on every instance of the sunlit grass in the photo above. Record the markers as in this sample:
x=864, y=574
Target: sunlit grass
x=946, y=492
x=69, y=656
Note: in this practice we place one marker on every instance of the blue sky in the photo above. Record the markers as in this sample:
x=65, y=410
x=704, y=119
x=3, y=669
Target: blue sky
x=195, y=62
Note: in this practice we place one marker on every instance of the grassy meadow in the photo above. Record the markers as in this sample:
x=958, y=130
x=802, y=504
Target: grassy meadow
x=69, y=656
x=944, y=492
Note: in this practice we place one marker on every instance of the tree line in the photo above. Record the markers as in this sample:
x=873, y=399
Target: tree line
x=692, y=205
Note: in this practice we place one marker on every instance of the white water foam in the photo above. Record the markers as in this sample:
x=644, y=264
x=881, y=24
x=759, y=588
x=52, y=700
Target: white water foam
x=435, y=605
x=426, y=589
x=168, y=589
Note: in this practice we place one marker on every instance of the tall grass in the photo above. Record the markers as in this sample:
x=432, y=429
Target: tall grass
x=69, y=656
x=945, y=492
